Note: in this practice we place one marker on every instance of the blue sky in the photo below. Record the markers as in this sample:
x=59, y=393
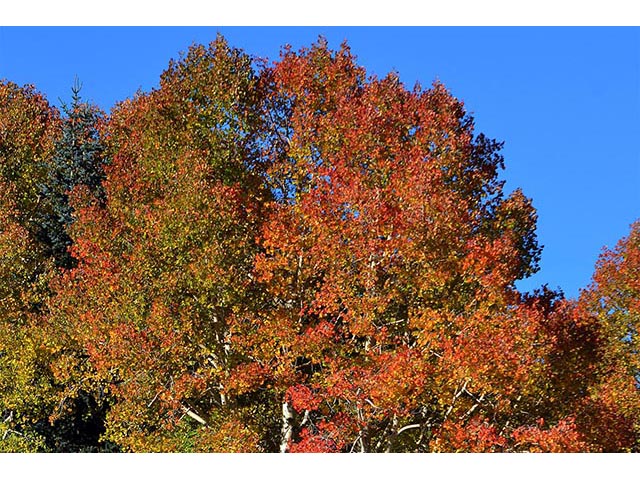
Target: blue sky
x=566, y=102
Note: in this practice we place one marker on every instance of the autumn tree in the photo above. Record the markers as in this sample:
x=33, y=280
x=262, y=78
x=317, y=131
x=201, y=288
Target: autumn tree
x=611, y=411
x=30, y=167
x=28, y=126
x=389, y=257
x=168, y=258
x=304, y=258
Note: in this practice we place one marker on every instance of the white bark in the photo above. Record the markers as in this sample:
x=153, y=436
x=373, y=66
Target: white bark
x=394, y=434
x=362, y=433
x=408, y=427
x=287, y=427
x=193, y=415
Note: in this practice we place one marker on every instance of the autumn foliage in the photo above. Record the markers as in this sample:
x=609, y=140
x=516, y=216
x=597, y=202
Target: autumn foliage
x=292, y=257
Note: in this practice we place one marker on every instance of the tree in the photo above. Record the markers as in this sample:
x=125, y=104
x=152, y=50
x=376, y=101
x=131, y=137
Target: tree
x=31, y=350
x=388, y=257
x=28, y=126
x=78, y=160
x=612, y=302
x=167, y=259
x=291, y=257
x=305, y=259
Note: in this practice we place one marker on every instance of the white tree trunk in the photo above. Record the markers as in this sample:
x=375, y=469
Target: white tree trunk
x=287, y=427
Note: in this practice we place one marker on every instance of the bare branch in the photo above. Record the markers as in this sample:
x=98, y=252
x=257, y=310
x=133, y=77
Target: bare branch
x=354, y=443
x=8, y=431
x=153, y=399
x=455, y=397
x=474, y=406
x=372, y=404
x=392, y=437
x=305, y=419
x=193, y=415
x=408, y=427
x=388, y=425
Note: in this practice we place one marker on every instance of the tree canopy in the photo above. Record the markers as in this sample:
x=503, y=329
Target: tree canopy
x=292, y=256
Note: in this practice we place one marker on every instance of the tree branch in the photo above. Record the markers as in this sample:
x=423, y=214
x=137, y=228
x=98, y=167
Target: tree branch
x=455, y=397
x=408, y=427
x=193, y=415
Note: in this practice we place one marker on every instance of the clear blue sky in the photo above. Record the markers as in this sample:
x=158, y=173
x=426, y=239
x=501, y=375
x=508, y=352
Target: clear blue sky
x=566, y=102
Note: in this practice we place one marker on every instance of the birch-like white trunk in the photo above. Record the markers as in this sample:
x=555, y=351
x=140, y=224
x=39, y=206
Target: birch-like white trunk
x=287, y=427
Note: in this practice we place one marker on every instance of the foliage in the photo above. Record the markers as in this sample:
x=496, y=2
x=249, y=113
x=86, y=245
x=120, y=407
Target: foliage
x=388, y=259
x=78, y=159
x=27, y=128
x=291, y=257
x=612, y=302
x=150, y=300
x=33, y=419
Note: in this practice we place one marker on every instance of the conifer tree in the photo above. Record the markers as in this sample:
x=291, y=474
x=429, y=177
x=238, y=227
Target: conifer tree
x=78, y=160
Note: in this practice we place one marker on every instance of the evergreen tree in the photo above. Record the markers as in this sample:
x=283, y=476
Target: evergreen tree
x=78, y=160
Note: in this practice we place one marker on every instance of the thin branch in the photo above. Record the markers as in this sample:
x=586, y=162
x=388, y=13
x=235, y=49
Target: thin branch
x=455, y=397
x=474, y=406
x=8, y=431
x=392, y=437
x=305, y=419
x=372, y=404
x=408, y=427
x=354, y=443
x=193, y=415
x=388, y=425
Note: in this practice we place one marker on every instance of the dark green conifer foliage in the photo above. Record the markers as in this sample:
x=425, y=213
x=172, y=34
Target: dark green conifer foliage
x=78, y=160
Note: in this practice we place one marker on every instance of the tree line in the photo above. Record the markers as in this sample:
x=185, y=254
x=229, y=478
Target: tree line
x=291, y=257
